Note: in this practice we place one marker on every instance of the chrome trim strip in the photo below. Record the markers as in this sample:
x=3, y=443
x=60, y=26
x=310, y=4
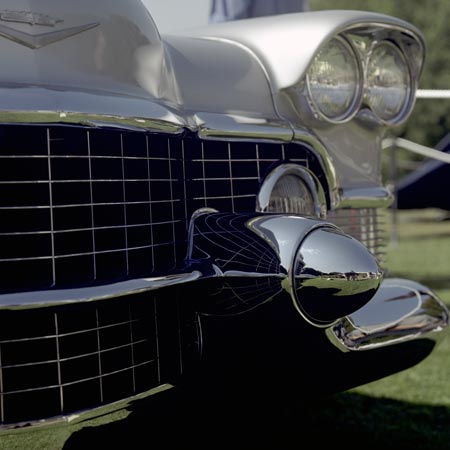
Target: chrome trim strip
x=409, y=310
x=89, y=414
x=304, y=137
x=91, y=120
x=39, y=299
x=242, y=274
x=373, y=197
x=243, y=128
x=220, y=127
x=340, y=197
x=233, y=127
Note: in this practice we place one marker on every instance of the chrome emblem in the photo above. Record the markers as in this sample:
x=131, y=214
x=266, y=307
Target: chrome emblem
x=29, y=17
x=35, y=41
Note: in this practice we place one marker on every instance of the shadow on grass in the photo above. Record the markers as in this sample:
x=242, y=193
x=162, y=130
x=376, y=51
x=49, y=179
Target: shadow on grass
x=197, y=421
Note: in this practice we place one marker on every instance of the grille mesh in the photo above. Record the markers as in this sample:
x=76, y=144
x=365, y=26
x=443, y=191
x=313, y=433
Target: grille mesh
x=83, y=206
x=80, y=206
x=366, y=225
x=55, y=361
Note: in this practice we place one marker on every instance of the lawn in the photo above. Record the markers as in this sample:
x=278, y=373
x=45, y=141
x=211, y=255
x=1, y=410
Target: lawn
x=408, y=410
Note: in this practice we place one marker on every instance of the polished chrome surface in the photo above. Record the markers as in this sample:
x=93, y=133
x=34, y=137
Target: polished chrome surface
x=107, y=200
x=32, y=104
x=302, y=135
x=305, y=176
x=167, y=123
x=333, y=275
x=152, y=87
x=363, y=42
x=242, y=128
x=255, y=258
x=366, y=197
x=355, y=152
x=47, y=298
x=401, y=310
x=368, y=225
x=89, y=414
x=285, y=233
x=35, y=41
x=344, y=192
x=214, y=131
x=29, y=17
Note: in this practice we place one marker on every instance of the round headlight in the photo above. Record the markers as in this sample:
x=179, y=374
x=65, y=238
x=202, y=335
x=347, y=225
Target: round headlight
x=334, y=81
x=388, y=82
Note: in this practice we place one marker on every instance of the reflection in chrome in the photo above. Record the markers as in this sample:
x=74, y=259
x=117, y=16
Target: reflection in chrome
x=163, y=121
x=367, y=225
x=256, y=257
x=232, y=126
x=45, y=298
x=300, y=190
x=372, y=197
x=400, y=311
x=334, y=275
x=335, y=93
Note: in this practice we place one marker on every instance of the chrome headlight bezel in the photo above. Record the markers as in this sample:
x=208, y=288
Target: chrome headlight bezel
x=309, y=185
x=403, y=106
x=351, y=106
x=407, y=52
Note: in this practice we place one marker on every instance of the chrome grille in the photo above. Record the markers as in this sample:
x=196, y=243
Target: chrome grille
x=366, y=225
x=57, y=361
x=82, y=206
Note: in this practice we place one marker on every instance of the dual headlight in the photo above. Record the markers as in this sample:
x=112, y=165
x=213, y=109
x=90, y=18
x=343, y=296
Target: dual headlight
x=339, y=82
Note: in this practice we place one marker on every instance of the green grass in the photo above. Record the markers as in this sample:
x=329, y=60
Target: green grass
x=408, y=410
x=413, y=406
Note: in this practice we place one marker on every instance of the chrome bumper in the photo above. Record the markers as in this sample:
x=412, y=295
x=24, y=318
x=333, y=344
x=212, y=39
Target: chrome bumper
x=402, y=310
x=272, y=295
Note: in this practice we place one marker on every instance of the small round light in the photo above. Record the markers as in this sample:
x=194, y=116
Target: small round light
x=290, y=195
x=388, y=82
x=334, y=81
x=292, y=189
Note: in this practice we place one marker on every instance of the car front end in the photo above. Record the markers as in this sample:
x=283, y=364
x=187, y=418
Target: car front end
x=186, y=206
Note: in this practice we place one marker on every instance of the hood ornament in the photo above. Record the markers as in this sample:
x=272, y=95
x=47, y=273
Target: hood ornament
x=29, y=17
x=35, y=41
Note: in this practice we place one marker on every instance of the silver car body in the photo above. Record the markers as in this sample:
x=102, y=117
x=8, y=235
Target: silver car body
x=104, y=65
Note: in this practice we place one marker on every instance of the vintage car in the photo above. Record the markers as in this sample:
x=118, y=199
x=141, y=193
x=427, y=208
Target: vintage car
x=199, y=207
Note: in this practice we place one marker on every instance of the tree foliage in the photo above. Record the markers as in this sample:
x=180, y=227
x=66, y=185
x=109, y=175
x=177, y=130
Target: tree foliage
x=430, y=120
